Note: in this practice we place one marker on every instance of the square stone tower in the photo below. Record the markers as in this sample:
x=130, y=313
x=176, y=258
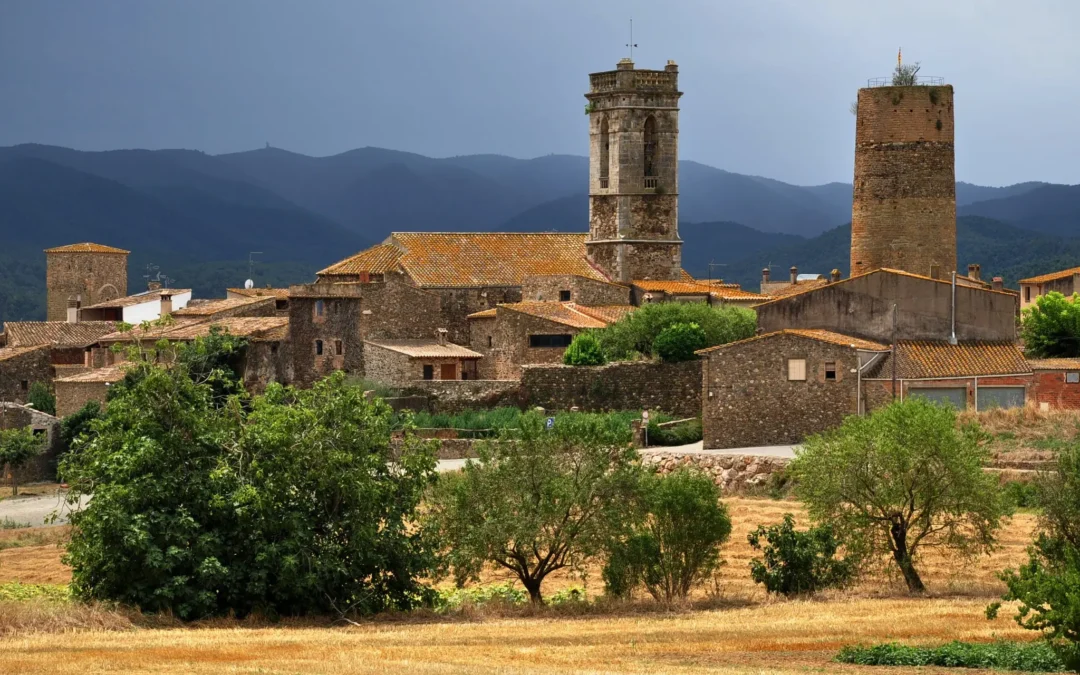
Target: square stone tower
x=634, y=173
x=84, y=274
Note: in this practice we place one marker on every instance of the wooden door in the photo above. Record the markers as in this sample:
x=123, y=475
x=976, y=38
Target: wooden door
x=449, y=371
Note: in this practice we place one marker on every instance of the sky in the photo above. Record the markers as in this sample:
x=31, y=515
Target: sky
x=767, y=83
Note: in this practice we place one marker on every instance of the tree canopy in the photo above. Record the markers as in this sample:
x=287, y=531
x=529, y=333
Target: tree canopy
x=17, y=447
x=1051, y=326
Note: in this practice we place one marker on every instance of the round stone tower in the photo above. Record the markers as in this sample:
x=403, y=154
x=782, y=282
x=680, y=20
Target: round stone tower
x=83, y=275
x=634, y=173
x=903, y=214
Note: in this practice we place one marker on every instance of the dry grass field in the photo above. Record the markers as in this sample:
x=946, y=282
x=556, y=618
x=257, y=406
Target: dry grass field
x=734, y=628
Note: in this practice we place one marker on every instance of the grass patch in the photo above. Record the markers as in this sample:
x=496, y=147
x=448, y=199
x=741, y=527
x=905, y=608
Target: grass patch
x=482, y=423
x=9, y=524
x=16, y=592
x=1038, y=657
x=679, y=434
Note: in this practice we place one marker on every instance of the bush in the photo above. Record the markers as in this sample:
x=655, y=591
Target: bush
x=584, y=350
x=679, y=341
x=798, y=562
x=500, y=594
x=1022, y=495
x=41, y=398
x=79, y=423
x=677, y=541
x=636, y=332
x=1051, y=327
x=679, y=434
x=899, y=479
x=17, y=447
x=22, y=592
x=1029, y=657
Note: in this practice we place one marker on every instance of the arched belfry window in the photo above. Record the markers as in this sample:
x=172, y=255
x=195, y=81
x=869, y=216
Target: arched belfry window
x=650, y=146
x=605, y=152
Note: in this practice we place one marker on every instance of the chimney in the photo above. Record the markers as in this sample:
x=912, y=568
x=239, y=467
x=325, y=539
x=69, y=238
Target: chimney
x=765, y=275
x=73, y=309
x=440, y=335
x=834, y=276
x=999, y=284
x=166, y=304
x=153, y=285
x=973, y=271
x=794, y=274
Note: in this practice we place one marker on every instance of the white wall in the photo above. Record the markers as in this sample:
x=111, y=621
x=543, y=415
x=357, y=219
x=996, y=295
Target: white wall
x=151, y=309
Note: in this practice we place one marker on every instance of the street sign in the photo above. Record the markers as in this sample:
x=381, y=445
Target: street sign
x=645, y=415
x=550, y=423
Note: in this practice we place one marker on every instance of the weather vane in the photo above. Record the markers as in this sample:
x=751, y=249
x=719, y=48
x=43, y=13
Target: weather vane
x=631, y=44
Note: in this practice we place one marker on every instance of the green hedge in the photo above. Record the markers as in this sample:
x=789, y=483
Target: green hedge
x=1031, y=657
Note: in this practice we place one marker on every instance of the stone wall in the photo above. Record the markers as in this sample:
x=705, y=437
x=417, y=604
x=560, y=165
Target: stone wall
x=904, y=209
x=72, y=396
x=455, y=395
x=482, y=340
x=42, y=467
x=582, y=290
x=395, y=369
x=94, y=277
x=674, y=388
x=733, y=474
x=512, y=350
x=455, y=304
x=750, y=401
x=266, y=362
x=20, y=367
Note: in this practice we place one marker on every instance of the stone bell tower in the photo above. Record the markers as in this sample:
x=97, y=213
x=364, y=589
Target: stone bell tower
x=634, y=173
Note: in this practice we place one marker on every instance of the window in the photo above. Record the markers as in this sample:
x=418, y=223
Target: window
x=25, y=384
x=564, y=296
x=796, y=370
x=1027, y=293
x=318, y=348
x=338, y=348
x=550, y=340
x=830, y=370
x=604, y=153
x=1072, y=378
x=429, y=372
x=650, y=146
x=490, y=342
x=320, y=308
x=273, y=348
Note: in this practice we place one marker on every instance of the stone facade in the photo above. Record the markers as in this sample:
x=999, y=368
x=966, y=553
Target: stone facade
x=72, y=396
x=733, y=474
x=904, y=211
x=266, y=362
x=633, y=173
x=573, y=288
x=42, y=467
x=513, y=331
x=674, y=388
x=90, y=276
x=750, y=400
x=482, y=339
x=396, y=369
x=20, y=367
x=863, y=306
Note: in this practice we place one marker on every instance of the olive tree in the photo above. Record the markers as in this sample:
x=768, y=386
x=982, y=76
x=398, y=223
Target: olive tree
x=17, y=447
x=537, y=499
x=900, y=479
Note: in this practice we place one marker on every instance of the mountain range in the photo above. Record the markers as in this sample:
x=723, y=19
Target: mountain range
x=197, y=216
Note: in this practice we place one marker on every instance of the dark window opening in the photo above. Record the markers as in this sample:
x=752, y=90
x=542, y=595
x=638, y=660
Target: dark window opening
x=281, y=304
x=338, y=348
x=550, y=340
x=650, y=146
x=605, y=149
x=39, y=433
x=320, y=307
x=318, y=348
x=564, y=296
x=273, y=349
x=429, y=372
x=464, y=375
x=24, y=385
x=1027, y=293
x=490, y=342
x=830, y=370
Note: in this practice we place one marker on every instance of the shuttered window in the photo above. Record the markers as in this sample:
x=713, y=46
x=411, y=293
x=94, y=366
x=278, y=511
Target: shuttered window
x=796, y=370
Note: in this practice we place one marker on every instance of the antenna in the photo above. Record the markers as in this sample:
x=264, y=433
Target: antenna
x=631, y=44
x=712, y=265
x=252, y=261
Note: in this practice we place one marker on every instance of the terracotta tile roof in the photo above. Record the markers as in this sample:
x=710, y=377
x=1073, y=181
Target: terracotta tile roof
x=556, y=312
x=930, y=359
x=685, y=276
x=883, y=270
x=139, y=298
x=738, y=295
x=820, y=335
x=12, y=352
x=483, y=314
x=280, y=293
x=257, y=329
x=56, y=333
x=606, y=313
x=375, y=260
x=1054, y=364
x=1052, y=276
x=86, y=247
x=792, y=289
x=718, y=291
x=426, y=349
x=212, y=307
x=109, y=374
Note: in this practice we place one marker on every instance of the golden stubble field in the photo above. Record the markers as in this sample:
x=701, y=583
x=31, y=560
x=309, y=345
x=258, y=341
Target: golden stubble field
x=741, y=631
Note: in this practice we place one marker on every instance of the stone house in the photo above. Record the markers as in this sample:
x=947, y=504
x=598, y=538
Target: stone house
x=1065, y=282
x=224, y=308
x=82, y=275
x=44, y=425
x=280, y=295
x=20, y=367
x=401, y=363
x=69, y=343
x=780, y=387
x=75, y=391
x=134, y=309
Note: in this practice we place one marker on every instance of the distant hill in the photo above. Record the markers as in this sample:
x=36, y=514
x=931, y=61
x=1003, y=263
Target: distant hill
x=1050, y=209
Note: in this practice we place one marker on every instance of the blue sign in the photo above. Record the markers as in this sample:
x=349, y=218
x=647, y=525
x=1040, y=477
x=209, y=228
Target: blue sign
x=550, y=423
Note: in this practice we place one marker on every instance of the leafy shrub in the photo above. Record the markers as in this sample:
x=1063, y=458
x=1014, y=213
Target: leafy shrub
x=78, y=423
x=636, y=332
x=1051, y=326
x=798, y=562
x=584, y=350
x=41, y=398
x=569, y=596
x=677, y=541
x=17, y=447
x=1023, y=495
x=502, y=594
x=21, y=592
x=679, y=434
x=1030, y=657
x=679, y=341
x=475, y=420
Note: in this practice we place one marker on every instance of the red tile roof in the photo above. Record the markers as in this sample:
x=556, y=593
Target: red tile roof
x=728, y=292
x=86, y=247
x=933, y=359
x=280, y=293
x=883, y=270
x=375, y=260
x=557, y=312
x=426, y=349
x=56, y=333
x=820, y=335
x=256, y=329
x=1051, y=276
x=108, y=374
x=13, y=352
x=606, y=313
x=212, y=307
x=483, y=314
x=1054, y=364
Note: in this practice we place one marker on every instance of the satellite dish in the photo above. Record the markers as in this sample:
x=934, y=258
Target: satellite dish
x=249, y=284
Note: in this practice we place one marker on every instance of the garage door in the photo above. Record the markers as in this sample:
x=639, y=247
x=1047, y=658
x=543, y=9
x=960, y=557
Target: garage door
x=954, y=396
x=1001, y=397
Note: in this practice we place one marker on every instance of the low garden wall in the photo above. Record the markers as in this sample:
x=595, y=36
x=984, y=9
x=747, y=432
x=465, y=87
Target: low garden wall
x=456, y=395
x=674, y=388
x=734, y=474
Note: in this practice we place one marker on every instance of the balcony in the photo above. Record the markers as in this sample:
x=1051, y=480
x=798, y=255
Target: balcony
x=650, y=182
x=603, y=182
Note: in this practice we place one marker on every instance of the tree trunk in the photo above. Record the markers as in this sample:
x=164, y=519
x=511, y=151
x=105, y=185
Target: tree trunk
x=903, y=558
x=532, y=585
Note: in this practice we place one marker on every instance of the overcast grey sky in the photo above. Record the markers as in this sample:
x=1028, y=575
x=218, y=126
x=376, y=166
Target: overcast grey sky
x=767, y=83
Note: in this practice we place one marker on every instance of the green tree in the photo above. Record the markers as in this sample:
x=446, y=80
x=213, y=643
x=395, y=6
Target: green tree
x=41, y=398
x=584, y=350
x=676, y=542
x=636, y=332
x=797, y=562
x=1051, y=326
x=906, y=75
x=17, y=447
x=79, y=423
x=537, y=500
x=899, y=479
x=679, y=341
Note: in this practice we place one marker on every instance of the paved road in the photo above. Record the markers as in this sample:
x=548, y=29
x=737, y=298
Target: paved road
x=34, y=510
